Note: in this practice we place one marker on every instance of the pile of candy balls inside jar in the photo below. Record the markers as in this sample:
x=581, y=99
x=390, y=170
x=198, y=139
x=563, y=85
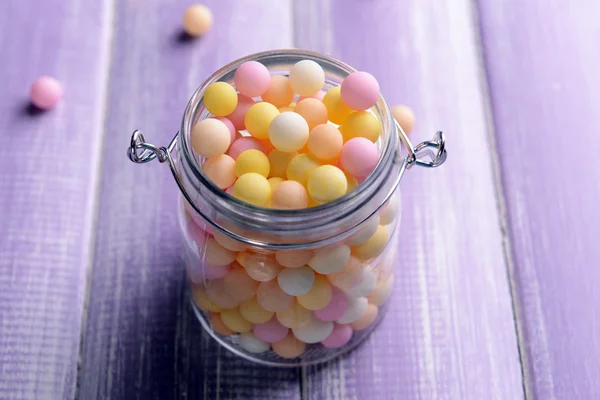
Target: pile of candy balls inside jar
x=263, y=148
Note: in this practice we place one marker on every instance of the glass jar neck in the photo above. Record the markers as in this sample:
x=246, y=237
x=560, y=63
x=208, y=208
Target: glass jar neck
x=277, y=229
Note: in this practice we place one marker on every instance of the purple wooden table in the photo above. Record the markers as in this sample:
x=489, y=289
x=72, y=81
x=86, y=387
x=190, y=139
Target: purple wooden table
x=496, y=293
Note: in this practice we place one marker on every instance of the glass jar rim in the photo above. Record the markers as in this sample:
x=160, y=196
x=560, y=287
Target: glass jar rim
x=322, y=214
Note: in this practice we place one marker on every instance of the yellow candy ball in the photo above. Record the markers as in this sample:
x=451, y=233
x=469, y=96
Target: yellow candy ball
x=259, y=117
x=252, y=188
x=352, y=182
x=279, y=162
x=202, y=301
x=300, y=167
x=361, y=124
x=220, y=99
x=318, y=296
x=294, y=316
x=274, y=182
x=233, y=320
x=327, y=183
x=372, y=247
x=337, y=111
x=252, y=160
x=218, y=326
x=253, y=312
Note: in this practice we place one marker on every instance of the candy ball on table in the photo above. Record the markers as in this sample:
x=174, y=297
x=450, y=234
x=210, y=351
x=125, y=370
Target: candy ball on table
x=252, y=188
x=197, y=20
x=252, y=79
x=307, y=77
x=313, y=111
x=360, y=90
x=280, y=92
x=220, y=170
x=325, y=142
x=289, y=195
x=326, y=183
x=259, y=117
x=337, y=111
x=46, y=92
x=210, y=137
x=405, y=117
x=288, y=132
x=252, y=161
x=220, y=99
x=359, y=157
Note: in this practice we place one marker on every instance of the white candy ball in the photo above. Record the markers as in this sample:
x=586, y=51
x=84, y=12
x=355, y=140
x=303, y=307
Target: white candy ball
x=314, y=331
x=390, y=210
x=252, y=344
x=356, y=308
x=288, y=132
x=296, y=281
x=364, y=233
x=330, y=260
x=307, y=77
x=367, y=283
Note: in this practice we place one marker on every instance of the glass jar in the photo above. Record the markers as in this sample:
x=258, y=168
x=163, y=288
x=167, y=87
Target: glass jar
x=290, y=287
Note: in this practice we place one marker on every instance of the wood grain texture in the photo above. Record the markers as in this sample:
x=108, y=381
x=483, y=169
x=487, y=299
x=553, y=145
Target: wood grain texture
x=48, y=180
x=449, y=333
x=142, y=340
x=543, y=64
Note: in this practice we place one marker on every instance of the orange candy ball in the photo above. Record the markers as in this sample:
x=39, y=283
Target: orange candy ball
x=280, y=92
x=289, y=195
x=325, y=142
x=313, y=111
x=220, y=170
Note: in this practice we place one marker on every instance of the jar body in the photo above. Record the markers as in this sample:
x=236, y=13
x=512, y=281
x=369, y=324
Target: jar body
x=290, y=288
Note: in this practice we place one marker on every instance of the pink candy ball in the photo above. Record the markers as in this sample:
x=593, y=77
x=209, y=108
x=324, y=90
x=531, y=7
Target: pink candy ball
x=252, y=79
x=319, y=96
x=335, y=309
x=359, y=156
x=46, y=92
x=360, y=90
x=243, y=144
x=229, y=125
x=237, y=117
x=271, y=331
x=340, y=336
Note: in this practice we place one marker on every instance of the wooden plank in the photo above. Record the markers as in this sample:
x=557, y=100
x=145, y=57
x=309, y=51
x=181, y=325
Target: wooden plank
x=449, y=332
x=142, y=340
x=542, y=60
x=48, y=179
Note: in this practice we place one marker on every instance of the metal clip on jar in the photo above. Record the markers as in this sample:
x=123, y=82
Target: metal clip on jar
x=237, y=255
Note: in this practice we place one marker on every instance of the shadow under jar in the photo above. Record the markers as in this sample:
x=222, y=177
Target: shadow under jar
x=239, y=257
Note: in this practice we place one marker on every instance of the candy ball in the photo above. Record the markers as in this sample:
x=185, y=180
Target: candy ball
x=337, y=111
x=252, y=188
x=336, y=307
x=330, y=260
x=202, y=301
x=46, y=92
x=220, y=170
x=294, y=316
x=279, y=161
x=359, y=156
x=340, y=335
x=352, y=182
x=318, y=296
x=229, y=125
x=288, y=132
x=252, y=344
x=325, y=142
x=290, y=347
x=259, y=117
x=405, y=117
x=253, y=312
x=228, y=242
x=220, y=98
x=356, y=308
x=242, y=144
x=270, y=297
x=293, y=258
x=216, y=254
x=307, y=77
x=349, y=276
x=239, y=114
x=296, y=281
x=326, y=183
x=300, y=168
x=274, y=182
x=271, y=331
x=313, y=111
x=260, y=267
x=361, y=124
x=233, y=320
x=279, y=92
x=367, y=230
x=204, y=271
x=382, y=291
x=289, y=195
x=252, y=79
x=197, y=20
x=210, y=137
x=252, y=161
x=240, y=285
x=365, y=285
x=372, y=247
x=360, y=90
x=218, y=326
x=367, y=319
x=388, y=212
x=215, y=290
x=314, y=331
x=319, y=96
